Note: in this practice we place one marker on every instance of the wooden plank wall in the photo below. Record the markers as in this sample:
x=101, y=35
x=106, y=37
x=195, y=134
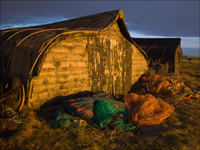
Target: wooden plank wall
x=139, y=66
x=64, y=72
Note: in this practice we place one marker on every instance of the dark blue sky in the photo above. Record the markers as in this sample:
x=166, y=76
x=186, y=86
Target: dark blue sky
x=143, y=18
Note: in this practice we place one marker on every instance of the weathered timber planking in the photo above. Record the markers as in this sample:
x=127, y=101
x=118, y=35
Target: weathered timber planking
x=128, y=68
x=63, y=71
x=64, y=49
x=40, y=98
x=56, y=63
x=58, y=86
x=118, y=55
x=74, y=41
x=60, y=92
x=66, y=56
x=50, y=79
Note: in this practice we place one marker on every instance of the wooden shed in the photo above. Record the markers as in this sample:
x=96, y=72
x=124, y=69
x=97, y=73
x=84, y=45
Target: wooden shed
x=94, y=53
x=164, y=50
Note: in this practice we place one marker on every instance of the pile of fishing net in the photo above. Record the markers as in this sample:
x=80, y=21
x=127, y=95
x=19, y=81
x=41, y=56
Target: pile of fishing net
x=109, y=116
x=164, y=87
x=146, y=109
x=9, y=120
x=101, y=109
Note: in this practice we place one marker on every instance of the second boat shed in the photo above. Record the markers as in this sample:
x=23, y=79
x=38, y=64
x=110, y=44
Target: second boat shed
x=94, y=53
x=163, y=50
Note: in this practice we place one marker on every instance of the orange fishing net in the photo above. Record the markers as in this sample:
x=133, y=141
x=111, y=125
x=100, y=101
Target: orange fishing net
x=165, y=87
x=146, y=109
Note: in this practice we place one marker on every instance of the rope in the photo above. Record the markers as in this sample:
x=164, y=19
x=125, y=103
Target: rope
x=14, y=35
x=165, y=49
x=22, y=98
x=3, y=32
x=151, y=47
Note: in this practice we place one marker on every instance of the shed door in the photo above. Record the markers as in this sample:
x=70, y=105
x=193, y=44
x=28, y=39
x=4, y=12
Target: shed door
x=109, y=65
x=178, y=63
x=100, y=65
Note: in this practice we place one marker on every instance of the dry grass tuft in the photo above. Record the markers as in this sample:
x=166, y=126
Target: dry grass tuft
x=167, y=65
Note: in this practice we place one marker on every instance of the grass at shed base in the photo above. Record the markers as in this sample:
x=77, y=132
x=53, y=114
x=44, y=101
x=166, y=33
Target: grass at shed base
x=180, y=131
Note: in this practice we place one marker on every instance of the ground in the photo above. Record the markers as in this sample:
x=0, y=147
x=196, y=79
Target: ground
x=179, y=131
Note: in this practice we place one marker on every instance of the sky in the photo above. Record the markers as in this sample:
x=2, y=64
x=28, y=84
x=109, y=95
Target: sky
x=143, y=18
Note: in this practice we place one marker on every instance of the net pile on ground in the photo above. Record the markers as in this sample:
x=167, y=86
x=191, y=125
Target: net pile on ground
x=100, y=109
x=146, y=109
x=164, y=87
x=83, y=107
x=108, y=116
x=9, y=120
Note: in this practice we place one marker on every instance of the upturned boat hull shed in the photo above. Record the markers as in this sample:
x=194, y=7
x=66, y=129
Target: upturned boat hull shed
x=94, y=53
x=166, y=51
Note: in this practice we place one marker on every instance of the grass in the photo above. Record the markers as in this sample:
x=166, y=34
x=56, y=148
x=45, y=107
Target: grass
x=179, y=131
x=191, y=72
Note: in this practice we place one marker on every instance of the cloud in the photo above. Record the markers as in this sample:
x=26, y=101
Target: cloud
x=15, y=21
x=190, y=42
x=166, y=18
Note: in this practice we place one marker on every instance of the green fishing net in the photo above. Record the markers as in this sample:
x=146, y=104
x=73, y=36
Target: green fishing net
x=108, y=116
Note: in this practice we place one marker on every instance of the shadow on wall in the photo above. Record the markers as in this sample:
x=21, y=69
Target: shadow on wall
x=55, y=102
